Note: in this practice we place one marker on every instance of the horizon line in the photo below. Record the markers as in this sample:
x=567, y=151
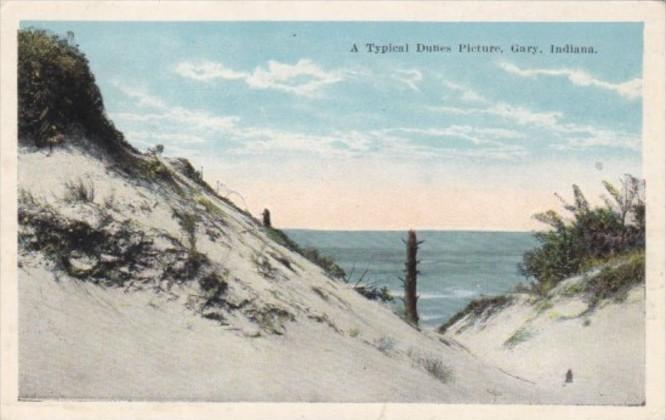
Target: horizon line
x=494, y=230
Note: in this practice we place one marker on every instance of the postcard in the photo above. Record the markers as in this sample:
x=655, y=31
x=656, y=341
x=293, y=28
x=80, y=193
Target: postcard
x=340, y=209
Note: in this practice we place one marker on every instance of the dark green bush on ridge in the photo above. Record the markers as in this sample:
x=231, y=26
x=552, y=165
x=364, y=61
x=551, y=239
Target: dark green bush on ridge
x=57, y=93
x=592, y=234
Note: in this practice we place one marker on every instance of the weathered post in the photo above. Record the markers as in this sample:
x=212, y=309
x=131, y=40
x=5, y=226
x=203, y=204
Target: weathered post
x=267, y=218
x=411, y=312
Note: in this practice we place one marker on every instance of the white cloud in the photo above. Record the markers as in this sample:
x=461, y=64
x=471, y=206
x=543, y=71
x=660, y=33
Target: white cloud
x=571, y=136
x=466, y=94
x=579, y=137
x=161, y=113
x=630, y=89
x=304, y=78
x=207, y=70
x=520, y=115
x=475, y=135
x=410, y=77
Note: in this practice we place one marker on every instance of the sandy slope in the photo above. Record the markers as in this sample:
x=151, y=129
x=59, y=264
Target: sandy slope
x=537, y=341
x=288, y=332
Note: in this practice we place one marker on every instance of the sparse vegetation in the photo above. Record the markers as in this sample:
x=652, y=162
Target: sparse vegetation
x=79, y=191
x=189, y=221
x=157, y=150
x=313, y=255
x=385, y=344
x=264, y=267
x=215, y=286
x=208, y=205
x=110, y=201
x=431, y=364
x=372, y=292
x=436, y=368
x=519, y=336
x=485, y=306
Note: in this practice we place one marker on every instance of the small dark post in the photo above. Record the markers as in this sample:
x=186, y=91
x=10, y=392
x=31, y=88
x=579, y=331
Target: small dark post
x=411, y=312
x=267, y=218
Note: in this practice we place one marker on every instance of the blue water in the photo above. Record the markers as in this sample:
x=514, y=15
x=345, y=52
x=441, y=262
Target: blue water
x=456, y=266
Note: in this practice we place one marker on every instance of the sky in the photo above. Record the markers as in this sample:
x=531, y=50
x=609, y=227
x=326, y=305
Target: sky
x=283, y=115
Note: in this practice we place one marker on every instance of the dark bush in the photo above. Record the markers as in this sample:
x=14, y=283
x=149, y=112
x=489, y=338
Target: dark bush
x=591, y=234
x=57, y=93
x=313, y=255
x=615, y=279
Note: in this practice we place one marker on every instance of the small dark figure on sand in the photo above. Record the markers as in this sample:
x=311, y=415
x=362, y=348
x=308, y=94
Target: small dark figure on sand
x=568, y=377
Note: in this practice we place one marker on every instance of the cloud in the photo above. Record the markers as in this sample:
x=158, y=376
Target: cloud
x=410, y=77
x=304, y=78
x=520, y=115
x=570, y=136
x=206, y=71
x=580, y=137
x=630, y=89
x=474, y=135
x=466, y=94
x=161, y=113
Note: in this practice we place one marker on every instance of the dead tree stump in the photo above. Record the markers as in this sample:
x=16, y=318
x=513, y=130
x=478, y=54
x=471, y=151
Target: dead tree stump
x=267, y=218
x=411, y=311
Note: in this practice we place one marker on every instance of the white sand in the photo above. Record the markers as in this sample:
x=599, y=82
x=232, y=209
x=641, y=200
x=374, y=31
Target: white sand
x=79, y=340
x=604, y=348
x=83, y=341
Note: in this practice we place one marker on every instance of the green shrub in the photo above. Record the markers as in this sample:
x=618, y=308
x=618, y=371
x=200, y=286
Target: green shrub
x=616, y=278
x=57, y=92
x=590, y=234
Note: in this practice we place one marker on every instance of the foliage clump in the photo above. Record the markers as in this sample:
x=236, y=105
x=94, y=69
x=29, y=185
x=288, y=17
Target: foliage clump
x=616, y=278
x=484, y=306
x=57, y=93
x=79, y=191
x=590, y=234
x=312, y=254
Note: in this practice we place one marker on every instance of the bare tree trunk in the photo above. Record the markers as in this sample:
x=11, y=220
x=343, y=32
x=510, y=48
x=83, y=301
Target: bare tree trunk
x=267, y=218
x=411, y=312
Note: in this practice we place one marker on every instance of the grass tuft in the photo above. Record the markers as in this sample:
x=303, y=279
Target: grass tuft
x=79, y=191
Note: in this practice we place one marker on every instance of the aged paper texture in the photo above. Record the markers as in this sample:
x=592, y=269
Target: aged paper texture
x=333, y=210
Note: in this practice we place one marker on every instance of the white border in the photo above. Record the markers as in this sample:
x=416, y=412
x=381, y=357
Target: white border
x=651, y=13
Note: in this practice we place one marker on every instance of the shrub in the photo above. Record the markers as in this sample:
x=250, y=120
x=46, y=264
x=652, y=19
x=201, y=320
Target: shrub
x=57, y=92
x=79, y=191
x=372, y=292
x=326, y=263
x=616, y=278
x=590, y=234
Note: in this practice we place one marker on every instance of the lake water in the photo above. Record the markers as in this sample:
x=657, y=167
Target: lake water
x=456, y=266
